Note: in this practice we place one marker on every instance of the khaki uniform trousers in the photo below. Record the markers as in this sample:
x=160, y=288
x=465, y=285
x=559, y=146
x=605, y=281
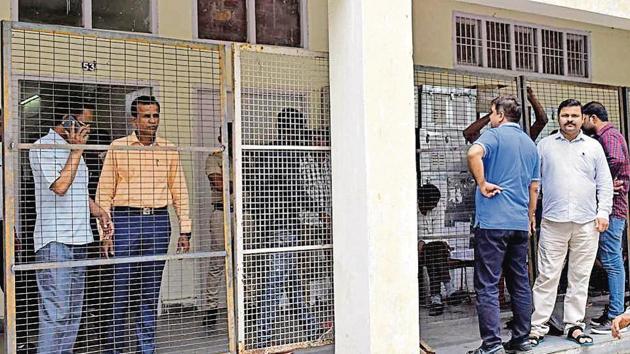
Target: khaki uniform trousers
x=557, y=239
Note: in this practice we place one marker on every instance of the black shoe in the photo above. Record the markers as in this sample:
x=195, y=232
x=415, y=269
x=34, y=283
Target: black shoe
x=510, y=323
x=518, y=348
x=496, y=350
x=599, y=320
x=605, y=327
x=436, y=309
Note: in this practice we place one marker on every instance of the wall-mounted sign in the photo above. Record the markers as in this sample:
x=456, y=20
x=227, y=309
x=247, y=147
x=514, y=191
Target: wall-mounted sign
x=88, y=65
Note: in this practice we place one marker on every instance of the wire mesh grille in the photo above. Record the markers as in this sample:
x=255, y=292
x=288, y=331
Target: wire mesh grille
x=135, y=125
x=286, y=240
x=448, y=103
x=451, y=113
x=550, y=94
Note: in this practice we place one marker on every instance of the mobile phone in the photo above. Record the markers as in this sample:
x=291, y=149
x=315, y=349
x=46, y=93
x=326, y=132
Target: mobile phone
x=70, y=121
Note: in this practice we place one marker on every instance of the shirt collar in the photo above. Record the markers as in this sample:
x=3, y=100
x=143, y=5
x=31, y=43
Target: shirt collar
x=510, y=124
x=58, y=139
x=604, y=129
x=133, y=140
x=580, y=137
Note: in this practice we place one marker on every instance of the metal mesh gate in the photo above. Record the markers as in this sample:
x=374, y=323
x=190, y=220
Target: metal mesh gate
x=447, y=103
x=283, y=186
x=451, y=109
x=152, y=161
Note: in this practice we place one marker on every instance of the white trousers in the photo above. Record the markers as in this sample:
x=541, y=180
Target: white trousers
x=557, y=239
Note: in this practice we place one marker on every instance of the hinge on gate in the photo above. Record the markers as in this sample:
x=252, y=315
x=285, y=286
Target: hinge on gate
x=12, y=146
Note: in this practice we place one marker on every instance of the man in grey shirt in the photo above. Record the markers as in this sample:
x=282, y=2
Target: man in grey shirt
x=577, y=199
x=62, y=229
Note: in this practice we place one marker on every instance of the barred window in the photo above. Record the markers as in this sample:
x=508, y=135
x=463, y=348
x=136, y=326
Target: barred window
x=507, y=46
x=468, y=37
x=553, y=52
x=498, y=44
x=526, y=46
x=577, y=51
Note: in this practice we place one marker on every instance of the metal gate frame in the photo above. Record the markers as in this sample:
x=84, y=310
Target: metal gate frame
x=521, y=81
x=239, y=147
x=12, y=147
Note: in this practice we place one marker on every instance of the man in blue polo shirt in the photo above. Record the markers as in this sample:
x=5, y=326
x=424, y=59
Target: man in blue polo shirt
x=505, y=165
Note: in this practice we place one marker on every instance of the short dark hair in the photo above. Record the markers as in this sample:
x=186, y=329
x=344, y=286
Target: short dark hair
x=595, y=108
x=292, y=126
x=428, y=196
x=290, y=118
x=509, y=106
x=571, y=102
x=143, y=100
x=74, y=106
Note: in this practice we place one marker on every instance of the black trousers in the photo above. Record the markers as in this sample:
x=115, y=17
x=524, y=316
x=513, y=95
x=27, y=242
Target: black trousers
x=504, y=251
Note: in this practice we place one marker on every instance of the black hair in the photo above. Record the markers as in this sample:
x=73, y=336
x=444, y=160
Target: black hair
x=509, y=106
x=428, y=196
x=595, y=108
x=143, y=100
x=292, y=126
x=571, y=102
x=71, y=106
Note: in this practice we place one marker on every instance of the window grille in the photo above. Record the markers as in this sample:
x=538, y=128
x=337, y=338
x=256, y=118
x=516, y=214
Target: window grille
x=468, y=36
x=526, y=48
x=498, y=44
x=552, y=52
x=577, y=52
x=505, y=46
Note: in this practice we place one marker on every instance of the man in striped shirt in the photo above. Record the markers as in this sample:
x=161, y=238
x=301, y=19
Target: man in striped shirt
x=610, y=245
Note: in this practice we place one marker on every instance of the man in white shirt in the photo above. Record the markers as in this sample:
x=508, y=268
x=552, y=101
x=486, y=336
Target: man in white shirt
x=577, y=200
x=62, y=229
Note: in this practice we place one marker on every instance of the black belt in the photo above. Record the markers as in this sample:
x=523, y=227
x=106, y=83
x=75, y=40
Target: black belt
x=219, y=206
x=139, y=211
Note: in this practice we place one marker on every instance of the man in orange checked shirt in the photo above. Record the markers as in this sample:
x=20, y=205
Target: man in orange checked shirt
x=136, y=187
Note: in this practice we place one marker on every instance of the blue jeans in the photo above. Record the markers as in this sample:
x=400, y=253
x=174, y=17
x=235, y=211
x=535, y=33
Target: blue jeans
x=496, y=251
x=61, y=298
x=283, y=278
x=609, y=253
x=137, y=285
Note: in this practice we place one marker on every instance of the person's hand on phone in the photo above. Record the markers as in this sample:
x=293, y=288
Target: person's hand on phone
x=77, y=133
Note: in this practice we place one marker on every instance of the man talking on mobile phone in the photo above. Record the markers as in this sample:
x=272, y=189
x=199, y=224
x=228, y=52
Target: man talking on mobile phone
x=62, y=229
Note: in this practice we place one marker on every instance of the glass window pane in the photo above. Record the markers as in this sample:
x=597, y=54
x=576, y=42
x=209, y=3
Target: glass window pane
x=222, y=20
x=122, y=15
x=56, y=12
x=278, y=22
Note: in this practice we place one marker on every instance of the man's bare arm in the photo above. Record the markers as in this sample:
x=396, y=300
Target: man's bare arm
x=539, y=112
x=473, y=131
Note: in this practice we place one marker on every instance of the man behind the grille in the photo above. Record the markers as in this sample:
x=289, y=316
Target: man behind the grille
x=215, y=281
x=136, y=187
x=62, y=229
x=505, y=166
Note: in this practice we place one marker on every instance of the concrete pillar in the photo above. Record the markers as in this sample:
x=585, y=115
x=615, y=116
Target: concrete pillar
x=374, y=179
